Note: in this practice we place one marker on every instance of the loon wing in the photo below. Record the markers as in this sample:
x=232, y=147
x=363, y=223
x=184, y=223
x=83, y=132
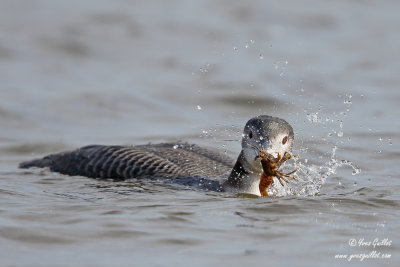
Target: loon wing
x=124, y=162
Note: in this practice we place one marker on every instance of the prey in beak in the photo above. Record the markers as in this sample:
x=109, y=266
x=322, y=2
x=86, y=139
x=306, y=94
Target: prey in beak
x=271, y=166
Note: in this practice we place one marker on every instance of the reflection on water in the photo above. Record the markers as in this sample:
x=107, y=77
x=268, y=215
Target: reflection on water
x=75, y=73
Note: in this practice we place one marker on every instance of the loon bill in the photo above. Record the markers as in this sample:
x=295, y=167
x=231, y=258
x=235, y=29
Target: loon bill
x=266, y=144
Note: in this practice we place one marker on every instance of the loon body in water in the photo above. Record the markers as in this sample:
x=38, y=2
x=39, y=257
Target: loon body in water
x=180, y=162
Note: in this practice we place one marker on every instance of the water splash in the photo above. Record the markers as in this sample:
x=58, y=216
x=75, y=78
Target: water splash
x=311, y=176
x=314, y=118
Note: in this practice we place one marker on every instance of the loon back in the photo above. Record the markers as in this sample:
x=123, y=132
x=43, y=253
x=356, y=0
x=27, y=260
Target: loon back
x=124, y=162
x=270, y=134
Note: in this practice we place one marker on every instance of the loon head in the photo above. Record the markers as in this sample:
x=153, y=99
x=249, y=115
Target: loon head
x=273, y=134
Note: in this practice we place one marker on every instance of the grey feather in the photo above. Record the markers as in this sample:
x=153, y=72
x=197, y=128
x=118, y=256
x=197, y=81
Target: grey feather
x=124, y=162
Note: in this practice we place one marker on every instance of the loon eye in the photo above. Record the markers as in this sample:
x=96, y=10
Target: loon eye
x=284, y=140
x=250, y=134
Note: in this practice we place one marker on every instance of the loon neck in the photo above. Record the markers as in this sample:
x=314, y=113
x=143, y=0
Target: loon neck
x=243, y=178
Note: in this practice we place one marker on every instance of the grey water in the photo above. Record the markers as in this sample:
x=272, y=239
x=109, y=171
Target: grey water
x=74, y=73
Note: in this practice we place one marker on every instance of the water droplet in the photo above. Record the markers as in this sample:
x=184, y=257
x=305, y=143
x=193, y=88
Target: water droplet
x=198, y=107
x=203, y=70
x=380, y=139
x=252, y=41
x=261, y=56
x=355, y=171
x=235, y=48
x=313, y=117
x=175, y=146
x=340, y=133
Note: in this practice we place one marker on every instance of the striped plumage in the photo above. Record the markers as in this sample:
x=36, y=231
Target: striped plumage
x=193, y=165
x=124, y=162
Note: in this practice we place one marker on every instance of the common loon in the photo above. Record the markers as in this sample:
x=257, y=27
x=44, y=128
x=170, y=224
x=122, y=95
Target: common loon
x=181, y=162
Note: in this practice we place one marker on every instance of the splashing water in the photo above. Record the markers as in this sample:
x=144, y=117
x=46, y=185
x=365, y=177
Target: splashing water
x=311, y=177
x=314, y=118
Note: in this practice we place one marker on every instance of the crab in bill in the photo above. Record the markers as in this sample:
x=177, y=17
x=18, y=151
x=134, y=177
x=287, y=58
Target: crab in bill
x=271, y=166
